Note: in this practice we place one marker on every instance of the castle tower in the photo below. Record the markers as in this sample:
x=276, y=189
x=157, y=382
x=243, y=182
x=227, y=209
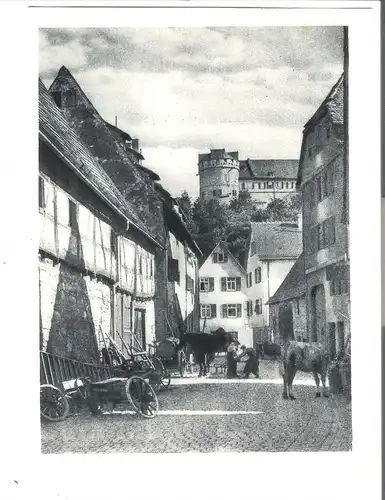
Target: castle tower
x=218, y=175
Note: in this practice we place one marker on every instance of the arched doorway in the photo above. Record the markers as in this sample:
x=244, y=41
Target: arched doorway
x=318, y=309
x=286, y=330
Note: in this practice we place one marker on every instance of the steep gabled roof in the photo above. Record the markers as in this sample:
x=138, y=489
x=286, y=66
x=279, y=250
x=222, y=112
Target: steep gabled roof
x=269, y=169
x=294, y=285
x=333, y=106
x=111, y=154
x=58, y=134
x=225, y=246
x=276, y=240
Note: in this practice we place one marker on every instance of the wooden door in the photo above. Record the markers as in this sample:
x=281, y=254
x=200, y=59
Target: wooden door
x=341, y=334
x=118, y=319
x=318, y=314
x=332, y=340
x=126, y=319
x=140, y=327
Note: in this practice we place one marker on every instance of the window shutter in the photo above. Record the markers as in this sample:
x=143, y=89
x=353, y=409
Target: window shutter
x=239, y=310
x=215, y=257
x=226, y=257
x=41, y=193
x=332, y=287
x=238, y=282
x=330, y=182
x=223, y=284
x=332, y=229
x=313, y=239
x=224, y=311
x=173, y=270
x=213, y=310
x=211, y=284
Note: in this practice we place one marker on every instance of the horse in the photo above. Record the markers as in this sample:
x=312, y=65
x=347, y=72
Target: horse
x=205, y=345
x=304, y=357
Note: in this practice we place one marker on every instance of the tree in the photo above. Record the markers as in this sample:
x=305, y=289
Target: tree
x=284, y=210
x=185, y=204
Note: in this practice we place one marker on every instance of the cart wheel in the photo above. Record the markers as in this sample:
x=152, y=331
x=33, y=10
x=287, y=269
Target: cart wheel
x=72, y=405
x=54, y=405
x=142, y=397
x=165, y=377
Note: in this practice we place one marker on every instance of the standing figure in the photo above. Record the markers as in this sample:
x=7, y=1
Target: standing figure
x=231, y=360
x=252, y=364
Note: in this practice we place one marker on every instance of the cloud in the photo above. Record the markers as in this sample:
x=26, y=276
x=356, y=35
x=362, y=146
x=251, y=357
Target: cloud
x=182, y=91
x=71, y=53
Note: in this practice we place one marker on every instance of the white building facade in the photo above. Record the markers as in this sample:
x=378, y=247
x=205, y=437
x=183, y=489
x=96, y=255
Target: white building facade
x=223, y=295
x=273, y=249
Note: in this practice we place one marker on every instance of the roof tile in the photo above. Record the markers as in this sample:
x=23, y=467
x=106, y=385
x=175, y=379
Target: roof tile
x=273, y=169
x=55, y=128
x=276, y=240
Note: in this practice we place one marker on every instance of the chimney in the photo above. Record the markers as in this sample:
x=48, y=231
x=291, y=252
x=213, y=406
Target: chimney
x=135, y=144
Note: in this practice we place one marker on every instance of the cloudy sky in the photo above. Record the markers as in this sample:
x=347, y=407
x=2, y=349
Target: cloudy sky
x=182, y=91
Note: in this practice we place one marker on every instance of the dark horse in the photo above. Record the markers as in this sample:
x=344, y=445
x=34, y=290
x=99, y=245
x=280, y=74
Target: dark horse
x=304, y=357
x=205, y=345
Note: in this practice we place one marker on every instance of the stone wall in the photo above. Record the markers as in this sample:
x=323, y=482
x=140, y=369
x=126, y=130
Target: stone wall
x=74, y=309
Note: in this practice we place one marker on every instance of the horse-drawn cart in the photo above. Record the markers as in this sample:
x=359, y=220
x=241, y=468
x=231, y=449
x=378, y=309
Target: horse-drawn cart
x=103, y=395
x=67, y=385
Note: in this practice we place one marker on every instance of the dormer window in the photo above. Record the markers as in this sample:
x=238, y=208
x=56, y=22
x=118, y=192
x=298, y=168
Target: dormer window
x=65, y=99
x=219, y=257
x=70, y=98
x=57, y=97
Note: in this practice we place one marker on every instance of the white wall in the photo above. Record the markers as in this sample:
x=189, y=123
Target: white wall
x=187, y=267
x=217, y=297
x=273, y=273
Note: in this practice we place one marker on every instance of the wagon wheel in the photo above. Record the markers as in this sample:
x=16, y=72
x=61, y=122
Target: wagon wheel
x=142, y=397
x=54, y=405
x=165, y=377
x=156, y=374
x=72, y=405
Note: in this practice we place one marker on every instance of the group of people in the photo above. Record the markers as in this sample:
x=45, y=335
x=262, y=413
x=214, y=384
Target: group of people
x=236, y=354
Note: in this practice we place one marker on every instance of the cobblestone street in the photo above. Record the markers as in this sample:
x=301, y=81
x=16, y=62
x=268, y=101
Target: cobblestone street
x=211, y=415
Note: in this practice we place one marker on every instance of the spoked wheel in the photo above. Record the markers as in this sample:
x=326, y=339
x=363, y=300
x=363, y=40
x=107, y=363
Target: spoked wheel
x=164, y=375
x=54, y=405
x=142, y=397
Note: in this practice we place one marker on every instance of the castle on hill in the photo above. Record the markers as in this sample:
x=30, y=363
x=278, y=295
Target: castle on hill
x=222, y=175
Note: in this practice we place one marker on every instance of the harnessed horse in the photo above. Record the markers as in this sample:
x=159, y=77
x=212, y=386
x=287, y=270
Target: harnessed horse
x=304, y=357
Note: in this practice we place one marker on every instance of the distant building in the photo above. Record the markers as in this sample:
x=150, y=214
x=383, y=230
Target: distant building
x=267, y=180
x=272, y=251
x=324, y=183
x=223, y=298
x=288, y=311
x=219, y=175
x=223, y=176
